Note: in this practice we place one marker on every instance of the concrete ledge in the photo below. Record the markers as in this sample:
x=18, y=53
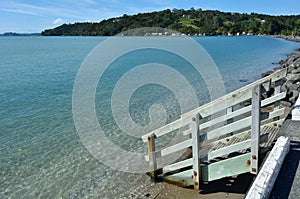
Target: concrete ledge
x=263, y=184
x=296, y=110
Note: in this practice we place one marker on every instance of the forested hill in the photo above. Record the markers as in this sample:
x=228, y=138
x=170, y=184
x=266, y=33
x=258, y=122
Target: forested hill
x=193, y=22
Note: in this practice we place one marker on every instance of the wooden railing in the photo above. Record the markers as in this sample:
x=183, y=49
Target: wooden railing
x=225, y=136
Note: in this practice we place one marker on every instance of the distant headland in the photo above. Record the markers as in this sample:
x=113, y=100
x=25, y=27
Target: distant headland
x=19, y=34
x=187, y=22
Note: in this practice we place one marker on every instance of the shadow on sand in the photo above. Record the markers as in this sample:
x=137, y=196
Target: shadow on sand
x=239, y=185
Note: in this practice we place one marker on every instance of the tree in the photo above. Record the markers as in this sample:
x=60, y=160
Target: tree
x=211, y=22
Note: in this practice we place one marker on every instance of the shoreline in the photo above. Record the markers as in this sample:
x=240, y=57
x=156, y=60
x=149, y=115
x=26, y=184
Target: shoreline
x=291, y=83
x=287, y=37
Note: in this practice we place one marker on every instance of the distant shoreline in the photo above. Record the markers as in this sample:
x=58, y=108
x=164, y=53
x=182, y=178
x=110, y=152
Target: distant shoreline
x=287, y=37
x=20, y=34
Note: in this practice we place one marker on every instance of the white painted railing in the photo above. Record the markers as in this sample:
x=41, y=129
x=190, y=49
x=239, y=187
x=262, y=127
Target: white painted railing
x=218, y=129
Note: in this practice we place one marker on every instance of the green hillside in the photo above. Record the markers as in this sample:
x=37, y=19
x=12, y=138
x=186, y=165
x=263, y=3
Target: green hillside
x=187, y=22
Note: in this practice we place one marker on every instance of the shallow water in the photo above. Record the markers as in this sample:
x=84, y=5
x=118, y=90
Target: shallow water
x=41, y=153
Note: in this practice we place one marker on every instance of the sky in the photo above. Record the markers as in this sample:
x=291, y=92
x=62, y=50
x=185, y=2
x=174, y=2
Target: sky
x=31, y=16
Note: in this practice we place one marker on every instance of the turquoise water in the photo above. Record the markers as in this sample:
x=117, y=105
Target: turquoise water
x=41, y=153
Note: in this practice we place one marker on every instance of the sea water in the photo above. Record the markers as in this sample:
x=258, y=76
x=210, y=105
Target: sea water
x=41, y=154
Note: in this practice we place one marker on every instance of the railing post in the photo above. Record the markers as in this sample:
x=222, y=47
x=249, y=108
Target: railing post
x=255, y=127
x=229, y=110
x=277, y=89
x=152, y=158
x=196, y=147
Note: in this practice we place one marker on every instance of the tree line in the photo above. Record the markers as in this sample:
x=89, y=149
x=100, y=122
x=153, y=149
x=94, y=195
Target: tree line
x=189, y=22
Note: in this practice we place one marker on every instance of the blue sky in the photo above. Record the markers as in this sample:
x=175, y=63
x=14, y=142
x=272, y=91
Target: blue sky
x=37, y=15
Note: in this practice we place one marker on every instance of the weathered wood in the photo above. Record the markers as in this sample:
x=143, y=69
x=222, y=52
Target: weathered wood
x=241, y=111
x=255, y=128
x=229, y=149
x=183, y=179
x=174, y=148
x=279, y=74
x=178, y=165
x=276, y=113
x=171, y=149
x=224, y=130
x=273, y=99
x=240, y=125
x=247, y=142
x=225, y=168
x=278, y=85
x=263, y=183
x=238, y=143
x=168, y=128
x=187, y=132
x=229, y=110
x=241, y=135
x=196, y=156
x=152, y=158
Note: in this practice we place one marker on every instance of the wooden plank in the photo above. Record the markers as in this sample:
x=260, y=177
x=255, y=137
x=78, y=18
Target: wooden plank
x=279, y=74
x=183, y=179
x=241, y=111
x=255, y=128
x=225, y=140
x=229, y=149
x=167, y=128
x=224, y=130
x=273, y=99
x=276, y=113
x=152, y=158
x=174, y=148
x=228, y=111
x=264, y=182
x=187, y=132
x=243, y=123
x=246, y=144
x=278, y=85
x=243, y=144
x=225, y=168
x=242, y=134
x=178, y=165
x=196, y=156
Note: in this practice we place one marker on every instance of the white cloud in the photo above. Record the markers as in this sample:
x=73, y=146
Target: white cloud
x=56, y=9
x=19, y=11
x=57, y=21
